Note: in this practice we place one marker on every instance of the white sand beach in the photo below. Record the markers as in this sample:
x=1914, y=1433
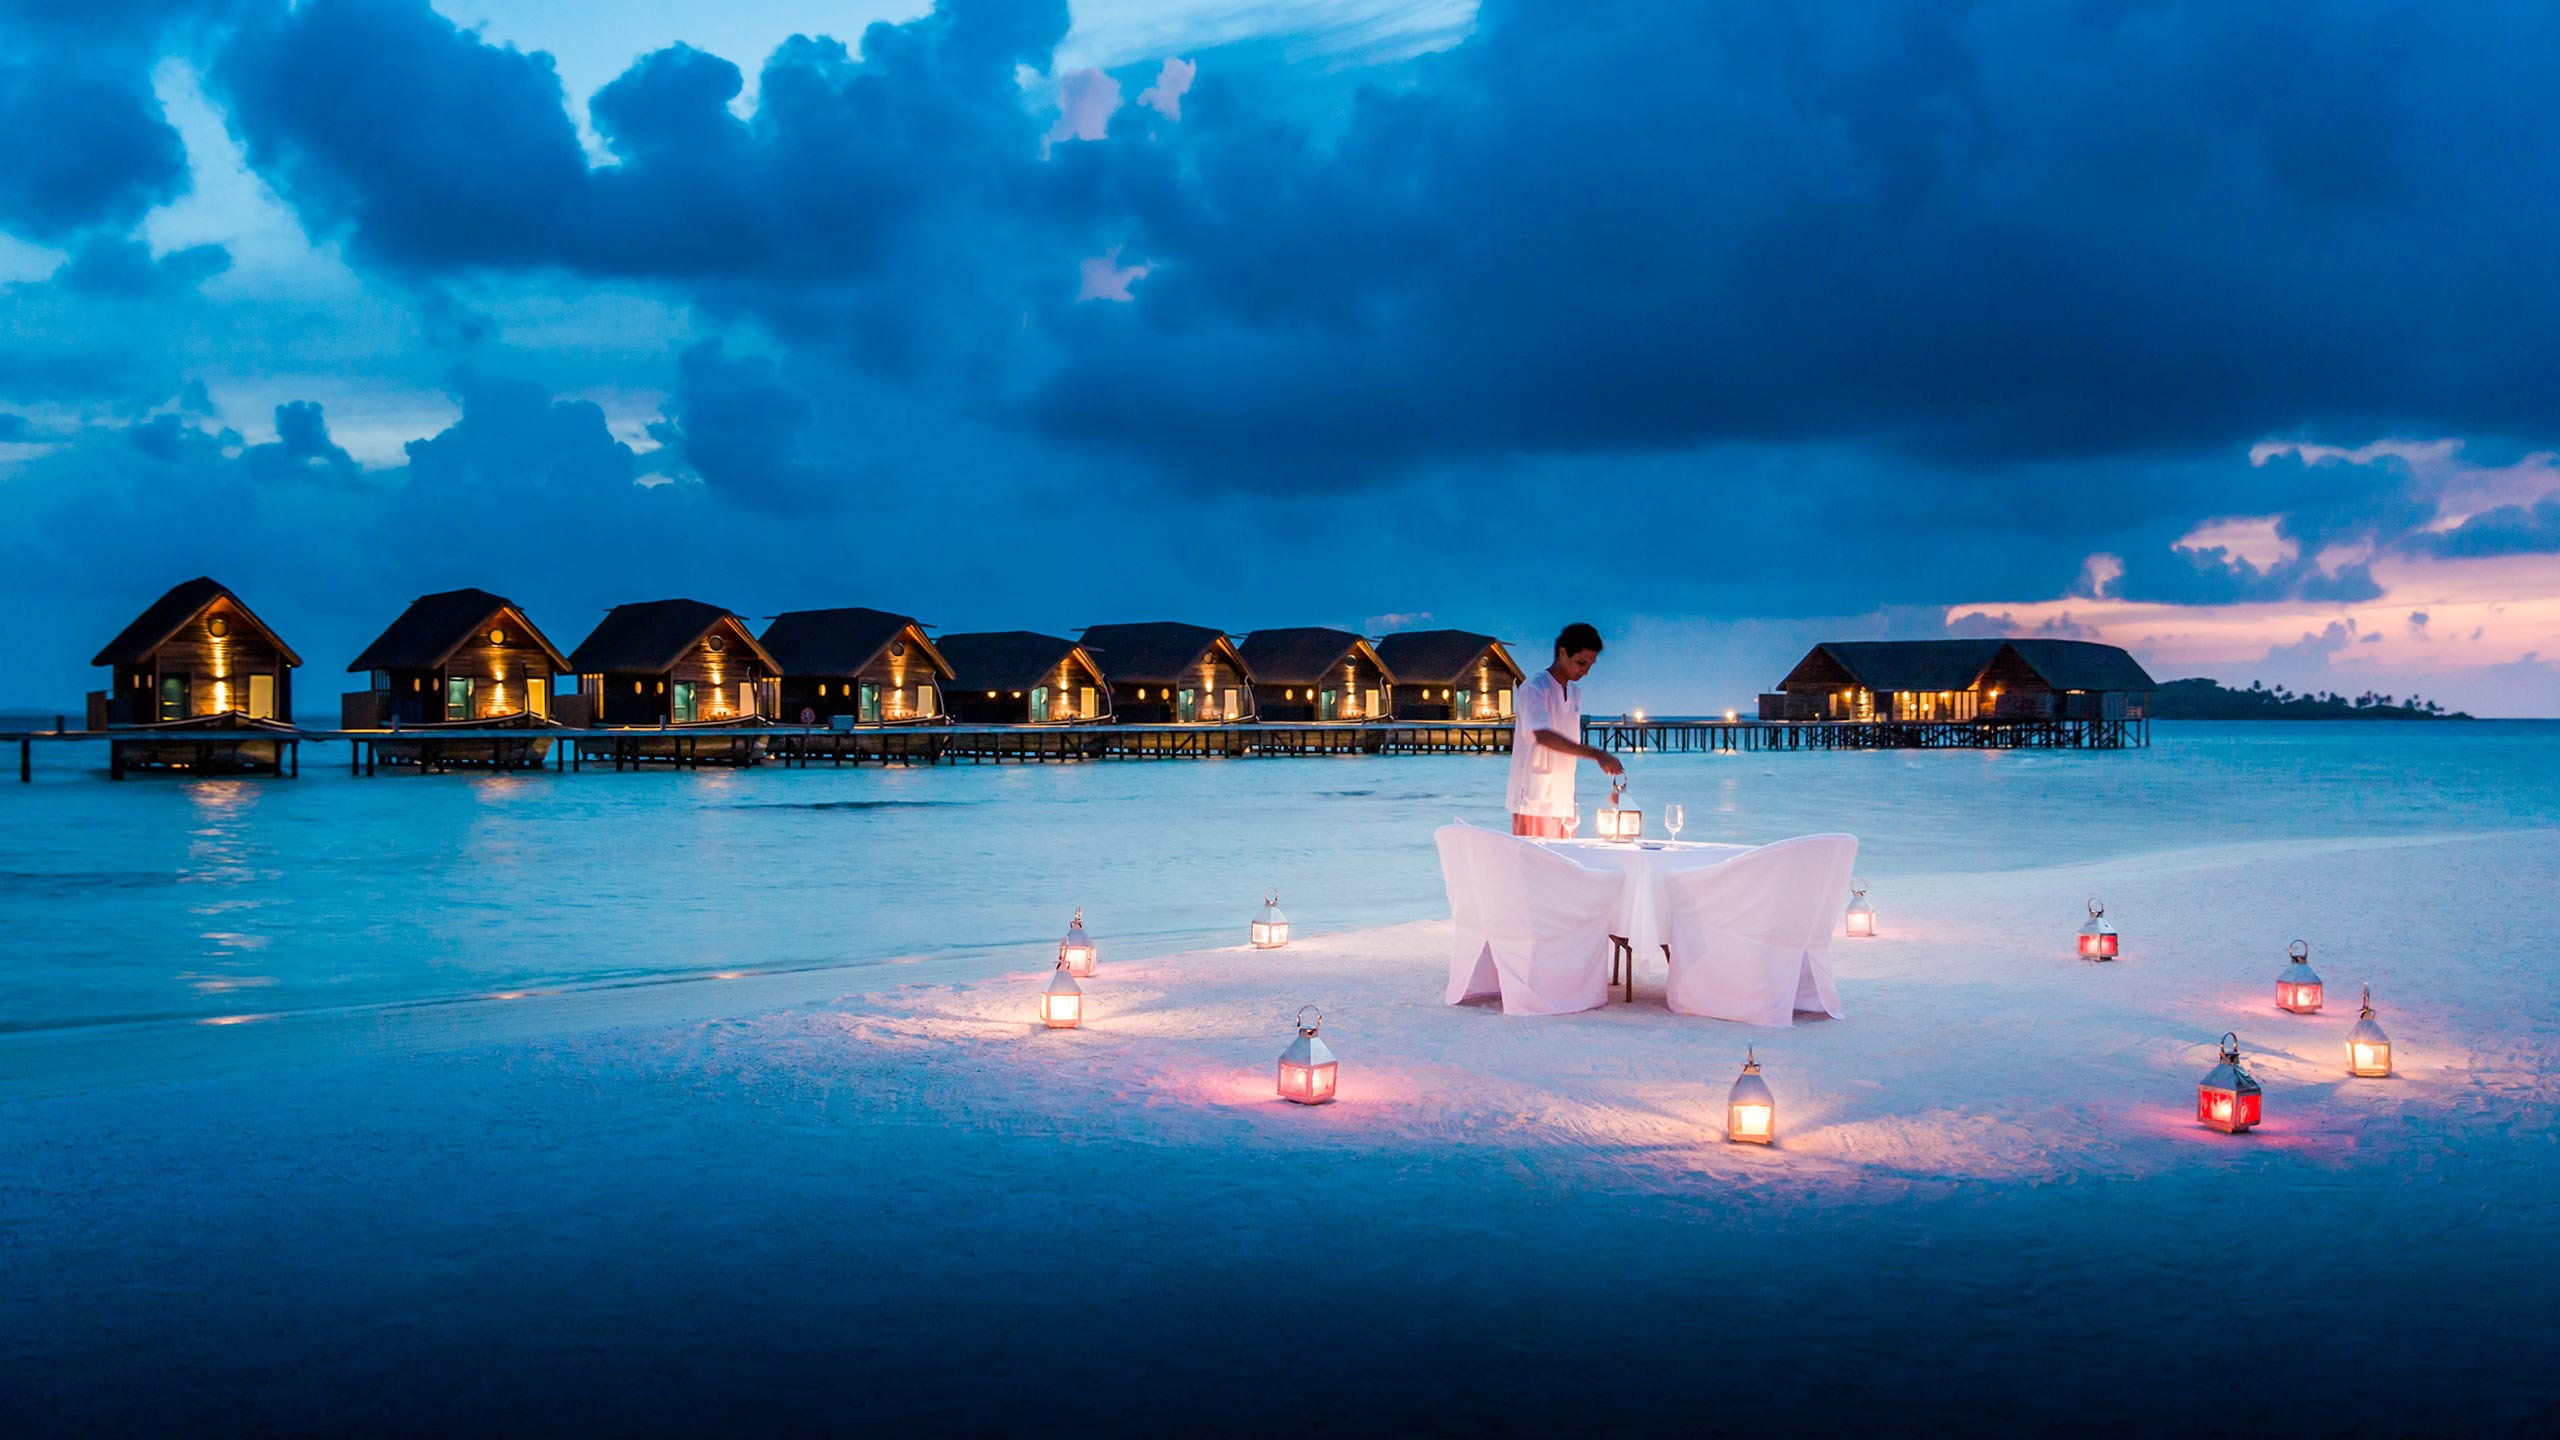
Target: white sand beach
x=1989, y=1201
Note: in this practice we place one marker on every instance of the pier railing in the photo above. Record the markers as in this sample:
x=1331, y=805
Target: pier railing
x=1678, y=736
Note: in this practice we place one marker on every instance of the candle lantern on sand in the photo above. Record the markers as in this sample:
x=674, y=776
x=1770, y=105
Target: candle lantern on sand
x=1270, y=928
x=2298, y=988
x=2368, y=1049
x=2227, y=1098
x=1061, y=1000
x=1750, y=1112
x=1307, y=1067
x=1618, y=822
x=1861, y=918
x=2097, y=938
x=1077, y=952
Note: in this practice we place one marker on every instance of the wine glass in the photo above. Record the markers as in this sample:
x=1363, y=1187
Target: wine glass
x=1572, y=822
x=1673, y=817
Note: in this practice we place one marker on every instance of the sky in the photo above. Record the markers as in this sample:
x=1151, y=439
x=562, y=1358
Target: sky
x=2222, y=332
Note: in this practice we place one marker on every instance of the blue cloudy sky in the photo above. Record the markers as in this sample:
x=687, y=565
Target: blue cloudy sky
x=2224, y=331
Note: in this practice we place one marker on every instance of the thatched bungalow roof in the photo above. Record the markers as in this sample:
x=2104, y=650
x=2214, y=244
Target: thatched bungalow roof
x=1006, y=659
x=1157, y=652
x=844, y=640
x=434, y=626
x=1888, y=666
x=169, y=614
x=1441, y=657
x=652, y=635
x=1306, y=655
x=2083, y=665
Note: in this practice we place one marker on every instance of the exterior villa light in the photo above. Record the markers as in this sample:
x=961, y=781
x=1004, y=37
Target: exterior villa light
x=1861, y=916
x=2228, y=1097
x=1077, y=952
x=1270, y=928
x=1750, y=1112
x=2097, y=938
x=1061, y=1000
x=1307, y=1067
x=1732, y=715
x=1617, y=823
x=2368, y=1049
x=2298, y=987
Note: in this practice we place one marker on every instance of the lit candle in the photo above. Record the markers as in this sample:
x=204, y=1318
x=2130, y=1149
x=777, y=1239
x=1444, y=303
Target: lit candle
x=1750, y=1111
x=1061, y=1000
x=1861, y=917
x=2368, y=1049
x=2298, y=987
x=2228, y=1097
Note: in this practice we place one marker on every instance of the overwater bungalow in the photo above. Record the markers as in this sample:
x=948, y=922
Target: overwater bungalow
x=455, y=658
x=1018, y=677
x=1450, y=675
x=673, y=662
x=200, y=667
x=1962, y=680
x=194, y=654
x=858, y=666
x=1312, y=673
x=1163, y=672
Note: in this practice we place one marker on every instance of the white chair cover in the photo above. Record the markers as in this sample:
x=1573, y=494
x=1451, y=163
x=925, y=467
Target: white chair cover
x=1531, y=925
x=1751, y=938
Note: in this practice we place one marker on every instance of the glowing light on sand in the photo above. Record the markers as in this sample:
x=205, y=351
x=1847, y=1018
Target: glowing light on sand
x=1750, y=1111
x=1308, y=1070
x=2298, y=986
x=2228, y=1097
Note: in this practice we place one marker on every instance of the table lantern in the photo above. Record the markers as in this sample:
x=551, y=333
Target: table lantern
x=1077, y=951
x=1270, y=928
x=1861, y=918
x=1061, y=1000
x=1617, y=822
x=2097, y=938
x=2298, y=988
x=1307, y=1067
x=2227, y=1099
x=2368, y=1049
x=1750, y=1113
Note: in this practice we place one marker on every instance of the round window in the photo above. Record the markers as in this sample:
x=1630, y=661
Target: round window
x=897, y=649
x=497, y=637
x=716, y=644
x=218, y=626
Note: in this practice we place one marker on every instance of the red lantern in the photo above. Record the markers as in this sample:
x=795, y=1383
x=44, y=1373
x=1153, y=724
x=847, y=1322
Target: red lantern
x=2097, y=938
x=2298, y=988
x=2227, y=1099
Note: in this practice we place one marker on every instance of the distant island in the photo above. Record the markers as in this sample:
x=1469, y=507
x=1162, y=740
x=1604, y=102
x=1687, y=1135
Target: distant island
x=2202, y=699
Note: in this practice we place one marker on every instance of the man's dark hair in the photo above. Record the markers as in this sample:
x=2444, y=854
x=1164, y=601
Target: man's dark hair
x=1578, y=637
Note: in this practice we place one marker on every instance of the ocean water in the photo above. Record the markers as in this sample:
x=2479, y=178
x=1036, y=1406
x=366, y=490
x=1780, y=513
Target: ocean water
x=160, y=902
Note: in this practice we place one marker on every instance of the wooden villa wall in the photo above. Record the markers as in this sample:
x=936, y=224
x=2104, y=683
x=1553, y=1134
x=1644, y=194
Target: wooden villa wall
x=717, y=676
x=1490, y=687
x=1212, y=680
x=1077, y=695
x=910, y=690
x=1360, y=693
x=217, y=668
x=497, y=673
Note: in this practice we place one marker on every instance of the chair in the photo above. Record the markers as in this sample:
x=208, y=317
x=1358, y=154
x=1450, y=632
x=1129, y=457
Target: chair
x=1532, y=926
x=1751, y=938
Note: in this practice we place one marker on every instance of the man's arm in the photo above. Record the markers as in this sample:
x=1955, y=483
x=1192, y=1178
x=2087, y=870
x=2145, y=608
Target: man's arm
x=1607, y=762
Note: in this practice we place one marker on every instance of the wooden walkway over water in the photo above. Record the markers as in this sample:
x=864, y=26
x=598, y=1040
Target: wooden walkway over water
x=1630, y=735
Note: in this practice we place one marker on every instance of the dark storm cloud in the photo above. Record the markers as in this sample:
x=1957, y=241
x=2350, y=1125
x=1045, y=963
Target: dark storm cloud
x=86, y=147
x=738, y=427
x=109, y=265
x=302, y=446
x=2506, y=530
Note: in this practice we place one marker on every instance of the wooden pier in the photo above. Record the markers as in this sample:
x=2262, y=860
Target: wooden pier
x=1682, y=736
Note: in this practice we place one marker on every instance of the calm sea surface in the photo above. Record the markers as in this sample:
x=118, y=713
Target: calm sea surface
x=157, y=902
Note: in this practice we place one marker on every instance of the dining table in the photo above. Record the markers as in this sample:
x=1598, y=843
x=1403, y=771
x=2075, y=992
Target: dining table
x=1644, y=906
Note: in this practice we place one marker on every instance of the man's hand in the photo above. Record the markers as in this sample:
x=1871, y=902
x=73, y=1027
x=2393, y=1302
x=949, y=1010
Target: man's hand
x=1609, y=764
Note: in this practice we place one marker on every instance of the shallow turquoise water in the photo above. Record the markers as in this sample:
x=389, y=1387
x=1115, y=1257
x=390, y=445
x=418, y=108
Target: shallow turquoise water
x=157, y=900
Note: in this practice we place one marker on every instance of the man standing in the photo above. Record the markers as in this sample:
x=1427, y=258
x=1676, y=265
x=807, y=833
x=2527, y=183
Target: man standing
x=1547, y=741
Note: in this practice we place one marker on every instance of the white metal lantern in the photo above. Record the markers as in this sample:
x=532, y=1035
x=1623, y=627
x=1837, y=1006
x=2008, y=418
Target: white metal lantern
x=2228, y=1098
x=1307, y=1067
x=1750, y=1112
x=2298, y=988
x=1270, y=928
x=1861, y=916
x=1616, y=821
x=2097, y=938
x=1061, y=1000
x=2368, y=1049
x=1077, y=952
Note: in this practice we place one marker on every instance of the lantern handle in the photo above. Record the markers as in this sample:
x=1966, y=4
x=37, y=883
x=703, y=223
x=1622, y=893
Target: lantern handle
x=1303, y=1027
x=1857, y=886
x=1078, y=922
x=2095, y=909
x=1270, y=897
x=2231, y=1046
x=2299, y=950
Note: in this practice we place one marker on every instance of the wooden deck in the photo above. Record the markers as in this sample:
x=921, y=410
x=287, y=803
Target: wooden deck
x=1627, y=735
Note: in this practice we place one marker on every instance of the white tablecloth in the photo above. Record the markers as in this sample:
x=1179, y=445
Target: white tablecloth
x=1644, y=911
